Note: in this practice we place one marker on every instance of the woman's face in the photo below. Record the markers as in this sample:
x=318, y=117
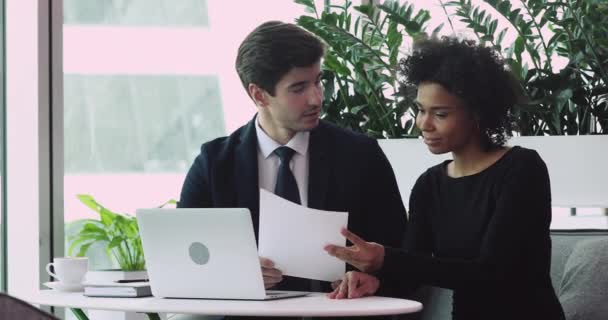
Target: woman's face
x=446, y=125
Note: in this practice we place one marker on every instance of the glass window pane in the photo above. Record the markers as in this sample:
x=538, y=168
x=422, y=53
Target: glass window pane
x=136, y=12
x=158, y=119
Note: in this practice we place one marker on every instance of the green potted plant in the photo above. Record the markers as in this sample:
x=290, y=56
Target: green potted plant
x=118, y=233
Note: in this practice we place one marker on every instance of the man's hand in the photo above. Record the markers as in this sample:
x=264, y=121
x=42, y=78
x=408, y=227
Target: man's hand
x=355, y=285
x=271, y=275
x=365, y=256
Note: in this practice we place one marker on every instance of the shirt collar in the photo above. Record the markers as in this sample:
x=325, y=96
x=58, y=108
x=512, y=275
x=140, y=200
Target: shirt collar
x=267, y=145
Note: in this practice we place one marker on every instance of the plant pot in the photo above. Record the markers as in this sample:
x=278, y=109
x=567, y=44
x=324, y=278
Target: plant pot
x=576, y=167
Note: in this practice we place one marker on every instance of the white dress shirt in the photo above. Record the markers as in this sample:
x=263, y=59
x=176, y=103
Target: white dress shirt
x=268, y=161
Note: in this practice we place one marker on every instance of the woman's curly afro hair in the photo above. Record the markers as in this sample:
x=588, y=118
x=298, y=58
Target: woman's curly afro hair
x=475, y=74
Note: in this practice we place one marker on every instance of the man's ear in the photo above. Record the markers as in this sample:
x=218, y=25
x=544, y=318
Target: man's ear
x=258, y=95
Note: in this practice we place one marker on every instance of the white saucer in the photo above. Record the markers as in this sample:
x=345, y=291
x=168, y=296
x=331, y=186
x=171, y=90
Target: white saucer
x=66, y=287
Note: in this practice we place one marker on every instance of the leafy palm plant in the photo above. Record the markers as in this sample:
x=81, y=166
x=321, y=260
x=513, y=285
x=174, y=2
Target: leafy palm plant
x=364, y=44
x=361, y=63
x=571, y=100
x=119, y=233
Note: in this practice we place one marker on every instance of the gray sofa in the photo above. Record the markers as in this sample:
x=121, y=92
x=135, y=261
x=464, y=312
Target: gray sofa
x=590, y=260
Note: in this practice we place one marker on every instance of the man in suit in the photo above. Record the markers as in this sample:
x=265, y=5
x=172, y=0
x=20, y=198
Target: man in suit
x=279, y=65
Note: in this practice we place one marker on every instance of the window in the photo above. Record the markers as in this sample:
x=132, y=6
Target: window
x=145, y=84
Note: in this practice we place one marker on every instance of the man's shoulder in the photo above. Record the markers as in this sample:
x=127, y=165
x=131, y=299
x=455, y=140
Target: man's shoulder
x=223, y=145
x=217, y=144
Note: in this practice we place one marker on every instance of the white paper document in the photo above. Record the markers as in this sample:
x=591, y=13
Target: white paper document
x=293, y=237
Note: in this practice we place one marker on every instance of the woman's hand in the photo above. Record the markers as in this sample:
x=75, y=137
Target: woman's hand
x=355, y=285
x=365, y=256
x=271, y=275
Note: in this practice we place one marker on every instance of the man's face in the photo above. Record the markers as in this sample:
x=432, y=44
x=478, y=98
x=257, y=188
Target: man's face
x=296, y=105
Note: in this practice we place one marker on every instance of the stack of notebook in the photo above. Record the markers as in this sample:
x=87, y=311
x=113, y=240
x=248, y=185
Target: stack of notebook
x=116, y=289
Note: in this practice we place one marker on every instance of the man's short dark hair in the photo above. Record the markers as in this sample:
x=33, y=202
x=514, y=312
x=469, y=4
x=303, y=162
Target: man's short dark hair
x=474, y=73
x=274, y=48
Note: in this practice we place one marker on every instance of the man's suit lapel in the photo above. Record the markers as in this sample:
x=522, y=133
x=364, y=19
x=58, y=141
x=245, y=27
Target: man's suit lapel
x=246, y=172
x=318, y=167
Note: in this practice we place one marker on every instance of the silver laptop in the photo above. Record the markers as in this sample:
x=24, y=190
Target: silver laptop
x=203, y=253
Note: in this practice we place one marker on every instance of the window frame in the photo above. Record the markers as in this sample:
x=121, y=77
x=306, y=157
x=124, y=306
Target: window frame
x=34, y=152
x=3, y=226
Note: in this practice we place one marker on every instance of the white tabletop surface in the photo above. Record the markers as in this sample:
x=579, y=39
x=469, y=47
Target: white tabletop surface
x=316, y=304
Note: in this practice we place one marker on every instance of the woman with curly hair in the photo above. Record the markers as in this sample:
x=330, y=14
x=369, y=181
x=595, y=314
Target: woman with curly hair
x=479, y=224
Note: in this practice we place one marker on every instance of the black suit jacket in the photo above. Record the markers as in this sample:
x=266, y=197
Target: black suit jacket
x=347, y=172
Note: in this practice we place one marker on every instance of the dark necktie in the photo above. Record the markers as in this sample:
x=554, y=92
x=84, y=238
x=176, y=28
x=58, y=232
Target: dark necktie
x=286, y=186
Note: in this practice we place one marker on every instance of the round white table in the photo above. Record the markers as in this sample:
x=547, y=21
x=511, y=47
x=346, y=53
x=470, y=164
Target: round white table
x=314, y=305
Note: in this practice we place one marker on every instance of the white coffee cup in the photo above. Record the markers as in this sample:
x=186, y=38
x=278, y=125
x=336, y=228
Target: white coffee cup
x=68, y=270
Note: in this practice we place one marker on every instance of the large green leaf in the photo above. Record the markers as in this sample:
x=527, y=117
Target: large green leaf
x=107, y=216
x=84, y=248
x=309, y=5
x=332, y=63
x=89, y=202
x=117, y=241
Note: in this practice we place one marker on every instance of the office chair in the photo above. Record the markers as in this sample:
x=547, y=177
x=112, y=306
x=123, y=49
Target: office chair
x=12, y=308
